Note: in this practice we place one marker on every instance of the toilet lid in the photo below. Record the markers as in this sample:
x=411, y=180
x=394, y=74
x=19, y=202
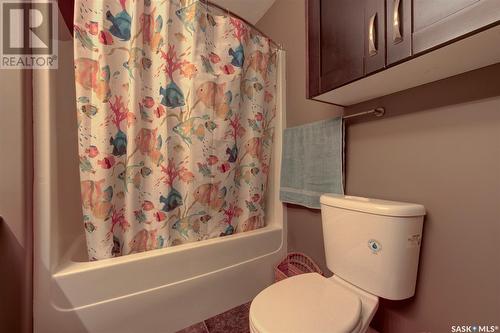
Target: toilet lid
x=305, y=303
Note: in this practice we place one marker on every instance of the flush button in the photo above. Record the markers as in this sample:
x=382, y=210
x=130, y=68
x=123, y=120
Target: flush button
x=374, y=246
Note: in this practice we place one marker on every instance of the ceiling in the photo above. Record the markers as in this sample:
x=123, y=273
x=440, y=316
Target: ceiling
x=250, y=10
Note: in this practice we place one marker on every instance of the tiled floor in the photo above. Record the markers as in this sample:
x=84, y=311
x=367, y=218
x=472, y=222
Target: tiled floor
x=233, y=321
x=196, y=328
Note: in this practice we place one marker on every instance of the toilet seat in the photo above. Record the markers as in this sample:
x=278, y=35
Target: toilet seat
x=306, y=303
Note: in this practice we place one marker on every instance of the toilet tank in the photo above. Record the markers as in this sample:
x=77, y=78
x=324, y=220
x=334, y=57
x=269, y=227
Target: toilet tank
x=373, y=244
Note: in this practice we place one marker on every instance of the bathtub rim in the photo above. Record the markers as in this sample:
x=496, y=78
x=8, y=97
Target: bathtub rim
x=69, y=266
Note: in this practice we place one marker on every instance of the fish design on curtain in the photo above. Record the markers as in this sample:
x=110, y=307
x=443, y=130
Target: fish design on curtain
x=176, y=104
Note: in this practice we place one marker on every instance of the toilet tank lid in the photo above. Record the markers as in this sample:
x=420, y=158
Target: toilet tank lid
x=373, y=206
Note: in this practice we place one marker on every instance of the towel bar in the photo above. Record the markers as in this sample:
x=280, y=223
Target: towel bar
x=378, y=112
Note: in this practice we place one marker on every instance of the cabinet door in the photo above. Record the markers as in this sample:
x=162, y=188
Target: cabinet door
x=342, y=36
x=438, y=22
x=374, y=35
x=399, y=30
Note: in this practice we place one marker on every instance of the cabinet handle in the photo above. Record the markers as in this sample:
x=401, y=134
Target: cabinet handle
x=372, y=36
x=397, y=36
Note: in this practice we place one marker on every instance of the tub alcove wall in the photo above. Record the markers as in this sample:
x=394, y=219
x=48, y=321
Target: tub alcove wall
x=157, y=291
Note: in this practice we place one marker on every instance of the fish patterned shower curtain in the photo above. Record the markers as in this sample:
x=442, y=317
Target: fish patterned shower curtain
x=176, y=104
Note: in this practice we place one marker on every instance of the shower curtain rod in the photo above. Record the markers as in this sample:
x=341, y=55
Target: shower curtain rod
x=210, y=3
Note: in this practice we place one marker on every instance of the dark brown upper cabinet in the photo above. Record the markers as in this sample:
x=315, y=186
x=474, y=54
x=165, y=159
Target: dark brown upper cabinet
x=363, y=49
x=67, y=8
x=341, y=40
x=346, y=40
x=399, y=34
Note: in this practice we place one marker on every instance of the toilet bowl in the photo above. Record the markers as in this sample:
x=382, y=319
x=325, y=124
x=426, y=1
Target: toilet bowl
x=311, y=303
x=372, y=247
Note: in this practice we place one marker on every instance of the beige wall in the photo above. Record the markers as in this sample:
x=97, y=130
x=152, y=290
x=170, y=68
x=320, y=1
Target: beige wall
x=285, y=23
x=15, y=202
x=439, y=145
x=441, y=150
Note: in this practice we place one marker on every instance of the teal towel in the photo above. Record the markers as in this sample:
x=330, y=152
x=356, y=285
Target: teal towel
x=312, y=162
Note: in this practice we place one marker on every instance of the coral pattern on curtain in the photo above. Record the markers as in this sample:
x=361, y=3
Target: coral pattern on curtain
x=176, y=102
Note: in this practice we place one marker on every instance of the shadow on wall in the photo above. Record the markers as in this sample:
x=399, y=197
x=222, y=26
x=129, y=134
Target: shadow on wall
x=12, y=259
x=69, y=225
x=304, y=225
x=307, y=226
x=466, y=87
x=66, y=134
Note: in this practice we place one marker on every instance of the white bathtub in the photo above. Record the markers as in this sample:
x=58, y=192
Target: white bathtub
x=162, y=290
x=157, y=291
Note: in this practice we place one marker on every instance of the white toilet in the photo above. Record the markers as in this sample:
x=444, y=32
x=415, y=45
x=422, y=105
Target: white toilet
x=372, y=247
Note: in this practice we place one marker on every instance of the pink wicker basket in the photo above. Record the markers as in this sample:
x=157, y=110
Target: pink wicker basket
x=295, y=263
